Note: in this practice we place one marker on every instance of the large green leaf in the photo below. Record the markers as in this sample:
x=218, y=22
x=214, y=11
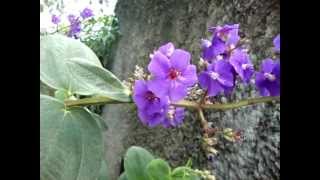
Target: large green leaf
x=68, y=64
x=71, y=145
x=103, y=175
x=87, y=78
x=55, y=51
x=135, y=163
x=158, y=169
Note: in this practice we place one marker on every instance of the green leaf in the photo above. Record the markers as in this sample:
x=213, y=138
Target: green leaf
x=61, y=94
x=183, y=173
x=69, y=65
x=180, y=172
x=135, y=163
x=46, y=90
x=103, y=174
x=123, y=177
x=71, y=145
x=88, y=79
x=189, y=163
x=103, y=125
x=55, y=51
x=158, y=169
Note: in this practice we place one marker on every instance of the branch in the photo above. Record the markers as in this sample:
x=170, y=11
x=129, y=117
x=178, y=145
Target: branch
x=246, y=102
x=203, y=121
x=183, y=103
x=92, y=101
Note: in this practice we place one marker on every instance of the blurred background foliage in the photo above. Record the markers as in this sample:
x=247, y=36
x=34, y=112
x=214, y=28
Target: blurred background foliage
x=99, y=32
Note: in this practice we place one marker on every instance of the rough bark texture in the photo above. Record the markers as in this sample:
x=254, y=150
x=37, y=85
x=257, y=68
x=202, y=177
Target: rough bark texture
x=146, y=24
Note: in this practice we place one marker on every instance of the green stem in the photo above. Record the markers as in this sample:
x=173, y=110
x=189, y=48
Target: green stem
x=246, y=102
x=183, y=103
x=203, y=121
x=91, y=101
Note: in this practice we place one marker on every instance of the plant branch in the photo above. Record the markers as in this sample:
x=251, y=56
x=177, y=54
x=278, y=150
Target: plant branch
x=187, y=104
x=203, y=121
x=92, y=101
x=246, y=102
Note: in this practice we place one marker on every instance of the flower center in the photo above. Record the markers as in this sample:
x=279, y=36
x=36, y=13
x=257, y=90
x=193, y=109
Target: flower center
x=223, y=35
x=219, y=57
x=246, y=66
x=174, y=74
x=171, y=112
x=270, y=76
x=214, y=75
x=151, y=97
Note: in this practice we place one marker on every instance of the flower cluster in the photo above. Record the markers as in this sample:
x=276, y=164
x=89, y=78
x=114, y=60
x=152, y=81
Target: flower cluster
x=268, y=79
x=171, y=75
x=74, y=22
x=223, y=60
x=226, y=60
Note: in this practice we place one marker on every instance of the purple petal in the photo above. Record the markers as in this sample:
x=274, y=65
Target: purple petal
x=55, y=19
x=218, y=46
x=189, y=76
x=143, y=116
x=224, y=70
x=261, y=84
x=155, y=119
x=180, y=59
x=205, y=43
x=276, y=69
x=159, y=65
x=167, y=49
x=267, y=65
x=214, y=88
x=228, y=90
x=178, y=117
x=177, y=91
x=140, y=88
x=247, y=74
x=71, y=18
x=166, y=123
x=226, y=80
x=276, y=43
x=204, y=80
x=86, y=13
x=273, y=88
x=233, y=35
x=238, y=59
x=159, y=87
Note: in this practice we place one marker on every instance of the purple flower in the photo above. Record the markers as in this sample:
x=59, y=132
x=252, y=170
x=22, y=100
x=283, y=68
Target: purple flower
x=268, y=79
x=212, y=50
x=167, y=49
x=172, y=75
x=223, y=40
x=227, y=33
x=71, y=18
x=276, y=43
x=55, y=19
x=155, y=110
x=174, y=118
x=151, y=108
x=242, y=64
x=75, y=26
x=86, y=13
x=217, y=78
